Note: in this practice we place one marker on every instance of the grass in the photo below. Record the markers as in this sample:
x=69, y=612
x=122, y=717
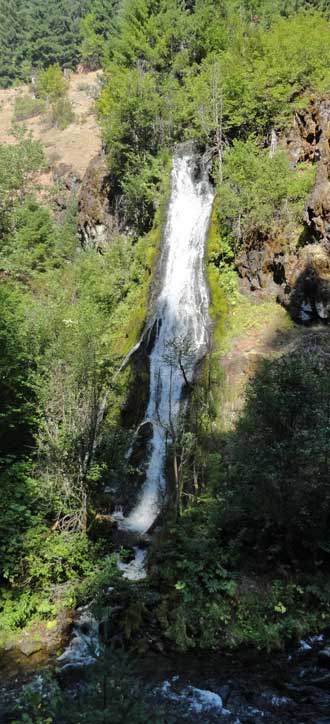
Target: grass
x=248, y=317
x=26, y=107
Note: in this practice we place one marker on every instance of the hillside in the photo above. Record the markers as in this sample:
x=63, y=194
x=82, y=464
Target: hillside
x=74, y=146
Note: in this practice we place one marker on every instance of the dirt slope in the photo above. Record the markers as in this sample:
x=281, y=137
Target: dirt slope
x=77, y=144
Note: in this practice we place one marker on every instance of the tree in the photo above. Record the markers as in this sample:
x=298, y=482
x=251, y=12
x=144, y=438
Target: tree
x=259, y=190
x=38, y=33
x=11, y=34
x=278, y=468
x=52, y=32
x=96, y=30
x=18, y=165
x=17, y=395
x=51, y=84
x=129, y=107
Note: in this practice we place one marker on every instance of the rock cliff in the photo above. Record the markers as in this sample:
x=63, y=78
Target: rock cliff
x=296, y=266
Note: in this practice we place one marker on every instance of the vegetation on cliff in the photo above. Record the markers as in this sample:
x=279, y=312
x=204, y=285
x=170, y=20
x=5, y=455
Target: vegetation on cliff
x=243, y=555
x=68, y=319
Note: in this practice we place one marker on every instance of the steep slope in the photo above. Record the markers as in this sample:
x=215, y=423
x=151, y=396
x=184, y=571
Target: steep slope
x=74, y=146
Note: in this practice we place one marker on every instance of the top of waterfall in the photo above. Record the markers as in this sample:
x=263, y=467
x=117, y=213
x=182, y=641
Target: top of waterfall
x=192, y=148
x=200, y=162
x=187, y=148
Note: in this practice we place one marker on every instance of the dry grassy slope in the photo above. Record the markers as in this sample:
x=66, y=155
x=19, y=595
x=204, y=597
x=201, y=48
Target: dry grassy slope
x=77, y=144
x=256, y=332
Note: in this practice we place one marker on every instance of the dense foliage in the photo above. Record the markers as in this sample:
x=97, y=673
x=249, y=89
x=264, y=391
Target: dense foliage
x=37, y=34
x=278, y=471
x=260, y=193
x=208, y=71
x=67, y=321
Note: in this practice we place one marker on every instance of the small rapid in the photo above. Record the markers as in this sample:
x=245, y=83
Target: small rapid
x=181, y=319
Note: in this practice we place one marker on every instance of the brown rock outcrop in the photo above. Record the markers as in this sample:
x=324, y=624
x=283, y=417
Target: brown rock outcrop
x=96, y=223
x=317, y=214
x=299, y=274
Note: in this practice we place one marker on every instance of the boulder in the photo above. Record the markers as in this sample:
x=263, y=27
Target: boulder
x=30, y=647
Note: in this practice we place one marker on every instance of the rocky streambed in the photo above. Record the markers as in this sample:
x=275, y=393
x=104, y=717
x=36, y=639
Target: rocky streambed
x=239, y=688
x=248, y=686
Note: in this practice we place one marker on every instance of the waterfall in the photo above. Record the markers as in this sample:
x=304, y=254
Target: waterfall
x=182, y=322
x=181, y=314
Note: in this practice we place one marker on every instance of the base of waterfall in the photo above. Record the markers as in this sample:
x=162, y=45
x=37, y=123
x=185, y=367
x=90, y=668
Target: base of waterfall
x=85, y=646
x=240, y=687
x=135, y=570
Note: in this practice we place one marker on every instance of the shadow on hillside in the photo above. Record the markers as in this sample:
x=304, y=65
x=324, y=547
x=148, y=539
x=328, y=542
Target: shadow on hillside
x=273, y=478
x=309, y=300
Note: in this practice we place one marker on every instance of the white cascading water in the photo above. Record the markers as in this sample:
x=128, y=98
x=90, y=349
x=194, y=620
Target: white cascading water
x=181, y=313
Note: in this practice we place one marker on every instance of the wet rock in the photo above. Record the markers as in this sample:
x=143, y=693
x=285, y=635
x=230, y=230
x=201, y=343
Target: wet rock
x=322, y=681
x=106, y=630
x=84, y=647
x=102, y=526
x=135, y=569
x=159, y=647
x=129, y=539
x=106, y=520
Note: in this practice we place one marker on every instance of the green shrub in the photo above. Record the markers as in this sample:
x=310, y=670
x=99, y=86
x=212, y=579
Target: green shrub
x=51, y=84
x=61, y=114
x=260, y=192
x=28, y=107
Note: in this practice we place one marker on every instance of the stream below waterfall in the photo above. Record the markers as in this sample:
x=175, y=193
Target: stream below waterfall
x=246, y=687
x=242, y=687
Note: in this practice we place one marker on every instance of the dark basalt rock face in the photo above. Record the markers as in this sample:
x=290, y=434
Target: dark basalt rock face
x=307, y=296
x=96, y=223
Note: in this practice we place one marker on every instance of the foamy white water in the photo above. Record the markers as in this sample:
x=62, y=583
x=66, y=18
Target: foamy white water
x=135, y=570
x=182, y=315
